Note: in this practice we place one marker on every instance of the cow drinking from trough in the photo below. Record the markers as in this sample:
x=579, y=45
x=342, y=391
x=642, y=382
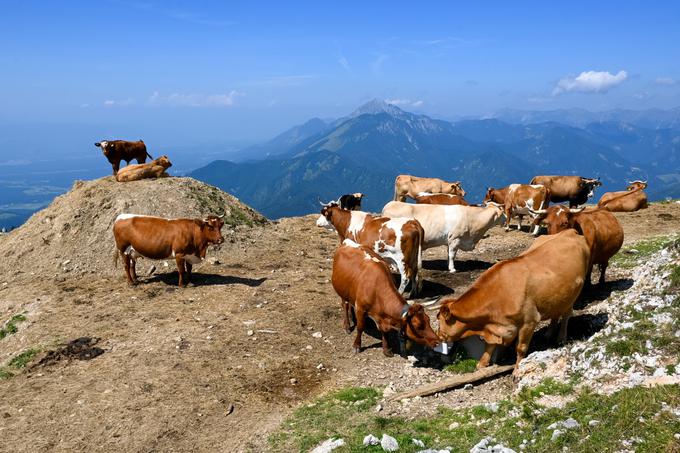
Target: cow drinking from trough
x=399, y=241
x=509, y=299
x=411, y=186
x=574, y=189
x=630, y=200
x=362, y=279
x=157, y=238
x=457, y=227
x=519, y=200
x=117, y=150
x=602, y=232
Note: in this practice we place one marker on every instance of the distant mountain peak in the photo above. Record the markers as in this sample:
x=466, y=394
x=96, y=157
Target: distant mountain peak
x=376, y=106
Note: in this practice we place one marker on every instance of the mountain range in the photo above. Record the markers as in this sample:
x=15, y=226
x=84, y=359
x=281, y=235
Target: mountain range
x=366, y=150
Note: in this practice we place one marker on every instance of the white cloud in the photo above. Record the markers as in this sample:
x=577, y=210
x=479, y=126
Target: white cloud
x=195, y=100
x=114, y=103
x=287, y=80
x=590, y=82
x=345, y=64
x=405, y=102
x=667, y=81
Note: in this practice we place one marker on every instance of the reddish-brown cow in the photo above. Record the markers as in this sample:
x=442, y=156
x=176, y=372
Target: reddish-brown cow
x=157, y=238
x=630, y=200
x=117, y=150
x=361, y=278
x=519, y=200
x=574, y=189
x=399, y=241
x=599, y=227
x=440, y=198
x=509, y=299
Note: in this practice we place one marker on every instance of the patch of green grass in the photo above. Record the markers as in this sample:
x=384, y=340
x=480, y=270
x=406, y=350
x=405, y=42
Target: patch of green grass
x=634, y=413
x=4, y=374
x=461, y=362
x=644, y=249
x=10, y=327
x=22, y=359
x=674, y=278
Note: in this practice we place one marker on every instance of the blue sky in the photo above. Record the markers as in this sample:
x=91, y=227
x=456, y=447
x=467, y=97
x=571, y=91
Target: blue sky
x=197, y=72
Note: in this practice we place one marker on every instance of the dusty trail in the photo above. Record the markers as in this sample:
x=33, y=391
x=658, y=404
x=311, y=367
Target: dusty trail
x=217, y=366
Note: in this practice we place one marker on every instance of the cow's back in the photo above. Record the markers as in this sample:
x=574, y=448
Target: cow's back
x=358, y=272
x=602, y=231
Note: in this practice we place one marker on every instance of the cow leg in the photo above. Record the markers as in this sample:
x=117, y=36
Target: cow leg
x=361, y=325
x=189, y=266
x=520, y=218
x=562, y=337
x=537, y=227
x=387, y=352
x=508, y=216
x=603, y=269
x=345, y=319
x=453, y=249
x=404, y=280
x=133, y=269
x=484, y=360
x=116, y=167
x=523, y=340
x=126, y=262
x=180, y=269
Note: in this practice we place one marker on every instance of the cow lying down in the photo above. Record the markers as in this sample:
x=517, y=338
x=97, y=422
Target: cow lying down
x=154, y=169
x=509, y=299
x=361, y=278
x=157, y=238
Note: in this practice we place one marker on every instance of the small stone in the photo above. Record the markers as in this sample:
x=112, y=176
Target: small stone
x=454, y=425
x=468, y=387
x=250, y=333
x=593, y=423
x=418, y=443
x=319, y=366
x=328, y=445
x=555, y=435
x=389, y=443
x=293, y=381
x=378, y=408
x=371, y=440
x=317, y=335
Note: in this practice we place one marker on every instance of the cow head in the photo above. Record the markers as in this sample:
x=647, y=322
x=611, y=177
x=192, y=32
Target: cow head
x=557, y=218
x=416, y=326
x=106, y=146
x=211, y=229
x=325, y=220
x=449, y=325
x=590, y=184
x=636, y=185
x=455, y=188
x=493, y=196
x=164, y=162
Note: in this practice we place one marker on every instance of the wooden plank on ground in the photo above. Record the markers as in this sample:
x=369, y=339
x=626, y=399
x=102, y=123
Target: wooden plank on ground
x=453, y=382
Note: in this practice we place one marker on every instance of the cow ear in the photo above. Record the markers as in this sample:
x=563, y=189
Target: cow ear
x=445, y=312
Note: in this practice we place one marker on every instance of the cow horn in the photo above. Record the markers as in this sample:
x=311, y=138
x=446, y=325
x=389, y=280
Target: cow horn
x=222, y=216
x=493, y=203
x=431, y=302
x=576, y=210
x=538, y=211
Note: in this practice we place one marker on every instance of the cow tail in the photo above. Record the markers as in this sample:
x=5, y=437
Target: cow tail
x=147, y=153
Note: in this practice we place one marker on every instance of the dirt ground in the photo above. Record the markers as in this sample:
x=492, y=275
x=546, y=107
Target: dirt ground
x=217, y=366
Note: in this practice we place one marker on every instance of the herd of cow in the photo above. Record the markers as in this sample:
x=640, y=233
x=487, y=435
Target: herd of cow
x=508, y=300
x=505, y=304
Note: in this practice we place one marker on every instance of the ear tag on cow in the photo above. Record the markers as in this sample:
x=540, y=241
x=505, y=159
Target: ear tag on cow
x=404, y=311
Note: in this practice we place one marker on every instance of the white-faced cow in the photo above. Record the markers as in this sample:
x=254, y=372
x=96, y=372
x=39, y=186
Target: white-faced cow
x=397, y=240
x=574, y=189
x=117, y=150
x=519, y=200
x=157, y=238
x=362, y=279
x=630, y=200
x=411, y=186
x=509, y=299
x=600, y=228
x=457, y=227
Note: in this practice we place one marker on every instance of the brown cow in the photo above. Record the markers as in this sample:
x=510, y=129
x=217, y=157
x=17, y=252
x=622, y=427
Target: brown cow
x=574, y=189
x=519, y=200
x=399, y=241
x=117, y=150
x=600, y=228
x=157, y=238
x=361, y=278
x=630, y=200
x=509, y=299
x=440, y=198
x=154, y=169
x=411, y=186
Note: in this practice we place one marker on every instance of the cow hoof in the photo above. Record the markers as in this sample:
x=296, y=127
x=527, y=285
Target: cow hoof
x=357, y=350
x=452, y=271
x=388, y=353
x=348, y=330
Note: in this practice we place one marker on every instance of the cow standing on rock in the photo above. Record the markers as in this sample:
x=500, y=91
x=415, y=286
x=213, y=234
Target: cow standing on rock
x=117, y=150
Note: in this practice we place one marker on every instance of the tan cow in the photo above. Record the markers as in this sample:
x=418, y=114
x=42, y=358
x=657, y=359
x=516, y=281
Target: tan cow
x=411, y=186
x=509, y=299
x=362, y=279
x=630, y=200
x=154, y=169
x=600, y=228
x=519, y=200
x=457, y=227
x=574, y=189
